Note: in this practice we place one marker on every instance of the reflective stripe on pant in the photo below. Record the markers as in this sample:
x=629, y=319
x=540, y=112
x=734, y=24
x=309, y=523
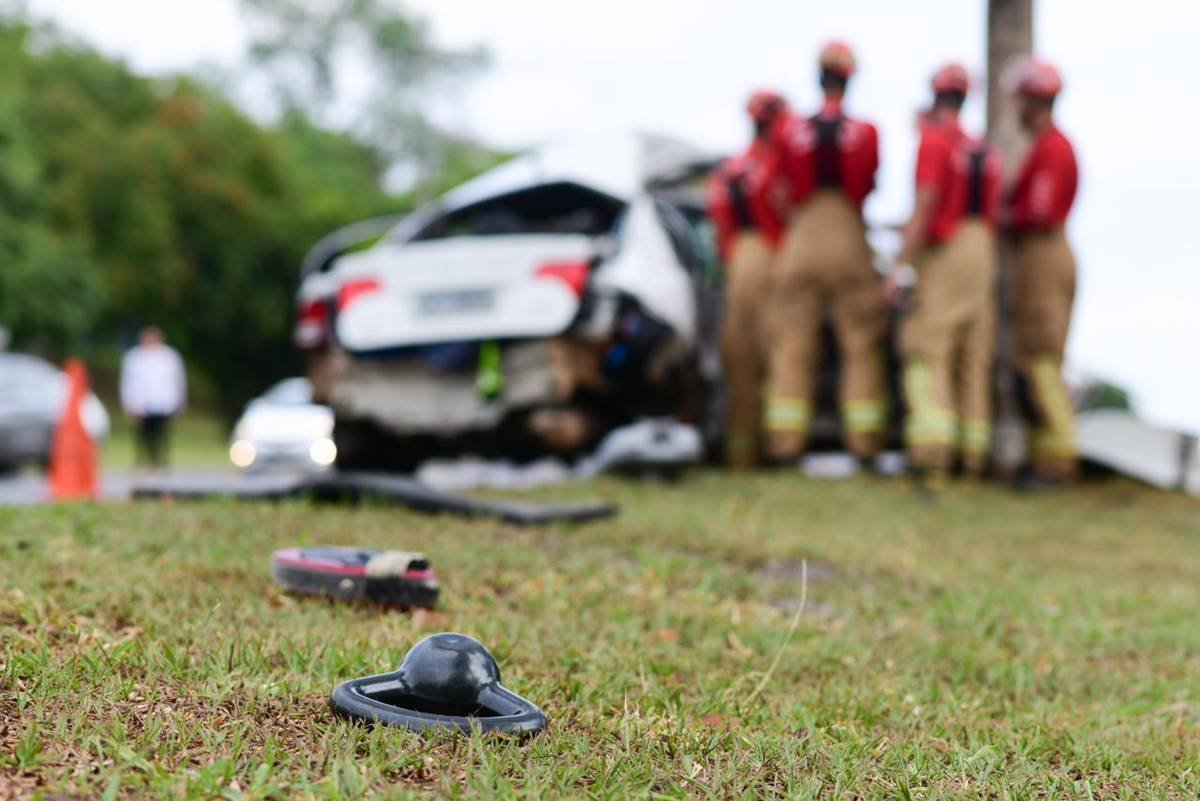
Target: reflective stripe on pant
x=974, y=444
x=1052, y=449
x=1043, y=294
x=931, y=425
x=947, y=341
x=788, y=415
x=864, y=418
x=742, y=346
x=823, y=270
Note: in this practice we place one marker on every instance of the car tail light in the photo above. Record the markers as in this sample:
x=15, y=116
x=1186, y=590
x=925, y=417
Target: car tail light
x=572, y=273
x=352, y=290
x=312, y=324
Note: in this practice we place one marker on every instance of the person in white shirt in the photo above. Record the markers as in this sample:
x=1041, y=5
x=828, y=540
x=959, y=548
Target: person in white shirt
x=153, y=390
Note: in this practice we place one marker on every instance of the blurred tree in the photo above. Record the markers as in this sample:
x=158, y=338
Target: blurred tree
x=50, y=294
x=126, y=200
x=309, y=47
x=310, y=42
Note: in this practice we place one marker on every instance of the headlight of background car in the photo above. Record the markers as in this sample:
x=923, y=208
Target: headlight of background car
x=242, y=453
x=323, y=452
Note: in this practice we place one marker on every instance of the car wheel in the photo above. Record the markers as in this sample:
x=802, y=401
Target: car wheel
x=365, y=446
x=353, y=441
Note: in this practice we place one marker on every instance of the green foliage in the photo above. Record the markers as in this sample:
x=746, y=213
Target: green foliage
x=304, y=46
x=1102, y=395
x=126, y=200
x=50, y=292
x=302, y=43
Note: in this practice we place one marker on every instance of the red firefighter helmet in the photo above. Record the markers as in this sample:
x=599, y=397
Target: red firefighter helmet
x=838, y=58
x=951, y=78
x=765, y=105
x=1035, y=78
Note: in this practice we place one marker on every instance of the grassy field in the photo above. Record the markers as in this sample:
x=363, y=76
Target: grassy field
x=197, y=441
x=988, y=646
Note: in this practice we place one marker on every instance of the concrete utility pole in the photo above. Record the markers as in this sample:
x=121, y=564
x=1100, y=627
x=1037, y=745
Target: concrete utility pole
x=1009, y=35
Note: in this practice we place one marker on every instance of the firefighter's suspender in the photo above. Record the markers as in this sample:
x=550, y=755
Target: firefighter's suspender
x=976, y=180
x=829, y=154
x=742, y=218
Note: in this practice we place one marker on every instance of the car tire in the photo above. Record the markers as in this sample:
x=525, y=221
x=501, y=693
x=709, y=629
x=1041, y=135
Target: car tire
x=354, y=444
x=363, y=446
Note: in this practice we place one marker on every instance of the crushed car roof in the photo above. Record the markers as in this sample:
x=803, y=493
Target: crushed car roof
x=618, y=163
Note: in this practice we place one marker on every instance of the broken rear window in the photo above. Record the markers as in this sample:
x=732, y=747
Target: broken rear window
x=558, y=208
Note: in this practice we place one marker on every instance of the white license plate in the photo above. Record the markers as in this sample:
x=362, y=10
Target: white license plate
x=463, y=301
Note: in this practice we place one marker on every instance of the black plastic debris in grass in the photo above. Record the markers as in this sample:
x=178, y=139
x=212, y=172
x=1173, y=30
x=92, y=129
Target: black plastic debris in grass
x=351, y=487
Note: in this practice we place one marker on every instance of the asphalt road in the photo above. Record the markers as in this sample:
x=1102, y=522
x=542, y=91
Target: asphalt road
x=29, y=489
x=456, y=476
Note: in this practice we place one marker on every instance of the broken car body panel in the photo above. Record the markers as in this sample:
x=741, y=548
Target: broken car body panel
x=556, y=281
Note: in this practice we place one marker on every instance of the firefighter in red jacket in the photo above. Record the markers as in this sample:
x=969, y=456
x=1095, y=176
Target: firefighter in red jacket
x=747, y=203
x=949, y=251
x=1043, y=280
x=825, y=271
x=976, y=356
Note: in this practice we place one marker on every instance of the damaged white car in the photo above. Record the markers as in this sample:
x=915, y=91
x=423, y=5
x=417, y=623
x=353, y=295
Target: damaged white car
x=529, y=311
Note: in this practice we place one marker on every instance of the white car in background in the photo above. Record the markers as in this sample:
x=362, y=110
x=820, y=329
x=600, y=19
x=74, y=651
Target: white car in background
x=531, y=310
x=284, y=430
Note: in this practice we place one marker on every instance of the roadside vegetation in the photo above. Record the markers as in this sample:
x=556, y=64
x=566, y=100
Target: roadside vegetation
x=198, y=441
x=128, y=200
x=987, y=646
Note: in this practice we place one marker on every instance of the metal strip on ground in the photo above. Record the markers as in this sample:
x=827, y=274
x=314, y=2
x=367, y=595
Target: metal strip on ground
x=356, y=486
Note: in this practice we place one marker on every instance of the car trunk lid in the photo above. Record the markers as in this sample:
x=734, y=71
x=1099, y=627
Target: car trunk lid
x=460, y=289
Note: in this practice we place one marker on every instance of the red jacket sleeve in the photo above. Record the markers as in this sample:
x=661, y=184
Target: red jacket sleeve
x=934, y=157
x=860, y=159
x=1043, y=185
x=1046, y=189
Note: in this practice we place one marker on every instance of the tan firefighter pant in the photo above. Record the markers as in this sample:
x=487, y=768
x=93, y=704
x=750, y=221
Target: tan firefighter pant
x=743, y=339
x=1043, y=293
x=824, y=270
x=947, y=341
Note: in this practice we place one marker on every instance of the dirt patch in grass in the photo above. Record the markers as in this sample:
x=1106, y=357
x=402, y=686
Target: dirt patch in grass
x=812, y=608
x=793, y=570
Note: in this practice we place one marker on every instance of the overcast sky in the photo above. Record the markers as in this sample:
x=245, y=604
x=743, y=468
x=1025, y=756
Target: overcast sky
x=683, y=67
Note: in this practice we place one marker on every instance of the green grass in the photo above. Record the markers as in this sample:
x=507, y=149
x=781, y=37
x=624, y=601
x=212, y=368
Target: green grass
x=988, y=646
x=197, y=441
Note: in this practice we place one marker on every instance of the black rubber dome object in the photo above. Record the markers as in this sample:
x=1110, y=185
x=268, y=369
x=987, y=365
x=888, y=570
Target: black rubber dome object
x=447, y=681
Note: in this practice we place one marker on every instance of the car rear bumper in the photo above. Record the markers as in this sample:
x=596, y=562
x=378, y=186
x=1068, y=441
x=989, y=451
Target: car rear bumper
x=407, y=397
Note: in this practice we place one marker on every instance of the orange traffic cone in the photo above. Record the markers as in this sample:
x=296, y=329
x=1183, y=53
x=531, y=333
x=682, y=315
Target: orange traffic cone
x=73, y=454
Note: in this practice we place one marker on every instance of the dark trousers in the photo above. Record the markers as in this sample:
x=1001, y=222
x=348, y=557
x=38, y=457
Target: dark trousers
x=153, y=434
